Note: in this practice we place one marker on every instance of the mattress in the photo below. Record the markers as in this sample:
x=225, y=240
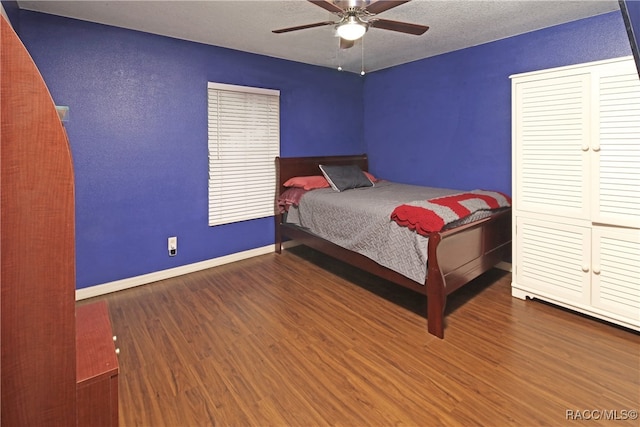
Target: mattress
x=360, y=220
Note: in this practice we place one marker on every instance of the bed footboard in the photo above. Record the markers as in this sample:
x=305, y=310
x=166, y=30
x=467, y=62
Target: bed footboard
x=460, y=255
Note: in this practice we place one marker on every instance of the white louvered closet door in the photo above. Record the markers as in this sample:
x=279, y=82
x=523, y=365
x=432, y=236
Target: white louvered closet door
x=552, y=151
x=616, y=271
x=616, y=153
x=554, y=259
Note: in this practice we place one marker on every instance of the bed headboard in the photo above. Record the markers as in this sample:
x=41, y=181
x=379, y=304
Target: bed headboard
x=288, y=167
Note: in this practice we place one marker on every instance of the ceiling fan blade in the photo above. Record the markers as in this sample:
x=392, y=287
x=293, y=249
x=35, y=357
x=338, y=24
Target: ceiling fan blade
x=382, y=5
x=303, y=27
x=401, y=27
x=346, y=44
x=327, y=5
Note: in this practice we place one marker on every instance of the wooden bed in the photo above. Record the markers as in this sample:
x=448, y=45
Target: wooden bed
x=455, y=257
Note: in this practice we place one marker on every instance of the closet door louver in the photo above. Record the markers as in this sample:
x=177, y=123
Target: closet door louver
x=552, y=131
x=616, y=271
x=616, y=156
x=554, y=258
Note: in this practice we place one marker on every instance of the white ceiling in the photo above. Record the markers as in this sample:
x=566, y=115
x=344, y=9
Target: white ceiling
x=246, y=25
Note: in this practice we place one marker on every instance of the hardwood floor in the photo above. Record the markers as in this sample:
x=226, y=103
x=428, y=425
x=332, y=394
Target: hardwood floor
x=299, y=339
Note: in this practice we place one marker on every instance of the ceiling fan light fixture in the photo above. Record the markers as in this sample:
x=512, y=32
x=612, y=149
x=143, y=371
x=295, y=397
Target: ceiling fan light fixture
x=352, y=28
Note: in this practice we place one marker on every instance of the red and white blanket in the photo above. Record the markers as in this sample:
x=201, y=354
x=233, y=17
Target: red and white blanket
x=428, y=216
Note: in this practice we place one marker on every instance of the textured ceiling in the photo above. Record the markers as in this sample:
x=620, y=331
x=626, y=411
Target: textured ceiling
x=247, y=25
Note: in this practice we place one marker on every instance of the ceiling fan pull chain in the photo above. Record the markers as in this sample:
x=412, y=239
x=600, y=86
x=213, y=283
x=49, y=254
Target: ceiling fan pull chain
x=362, y=57
x=338, y=59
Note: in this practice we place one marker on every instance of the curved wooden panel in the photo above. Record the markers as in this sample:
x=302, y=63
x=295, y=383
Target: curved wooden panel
x=37, y=249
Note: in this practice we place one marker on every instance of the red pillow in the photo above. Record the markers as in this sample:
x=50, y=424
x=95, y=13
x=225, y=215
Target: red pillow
x=307, y=182
x=370, y=177
x=316, y=181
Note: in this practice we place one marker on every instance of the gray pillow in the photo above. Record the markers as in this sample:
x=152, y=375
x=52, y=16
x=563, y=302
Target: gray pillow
x=345, y=177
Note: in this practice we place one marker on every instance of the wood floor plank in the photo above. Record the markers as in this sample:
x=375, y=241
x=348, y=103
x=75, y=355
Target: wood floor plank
x=299, y=339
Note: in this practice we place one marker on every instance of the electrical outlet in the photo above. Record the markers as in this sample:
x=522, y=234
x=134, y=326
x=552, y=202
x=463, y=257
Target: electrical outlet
x=172, y=245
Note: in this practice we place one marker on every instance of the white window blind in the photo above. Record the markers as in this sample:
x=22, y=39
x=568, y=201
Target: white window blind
x=244, y=139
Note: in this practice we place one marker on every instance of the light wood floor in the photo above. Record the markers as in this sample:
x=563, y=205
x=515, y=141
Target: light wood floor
x=299, y=339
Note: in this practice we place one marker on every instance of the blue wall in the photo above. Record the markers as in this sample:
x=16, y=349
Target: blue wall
x=446, y=121
x=12, y=11
x=631, y=12
x=138, y=126
x=138, y=135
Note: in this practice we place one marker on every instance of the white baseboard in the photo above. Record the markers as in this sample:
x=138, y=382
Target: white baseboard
x=503, y=265
x=131, y=282
x=145, y=279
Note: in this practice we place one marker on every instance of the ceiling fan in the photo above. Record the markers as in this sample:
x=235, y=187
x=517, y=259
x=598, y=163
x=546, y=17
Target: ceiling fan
x=356, y=16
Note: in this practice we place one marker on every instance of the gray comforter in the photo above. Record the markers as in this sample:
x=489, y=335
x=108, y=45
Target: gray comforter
x=359, y=220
